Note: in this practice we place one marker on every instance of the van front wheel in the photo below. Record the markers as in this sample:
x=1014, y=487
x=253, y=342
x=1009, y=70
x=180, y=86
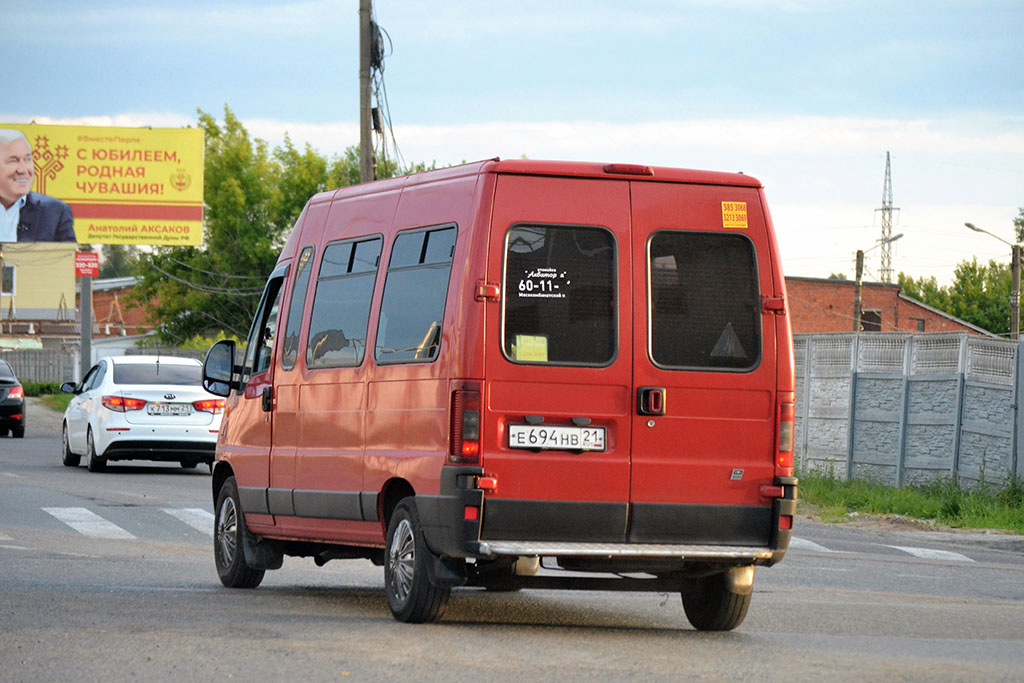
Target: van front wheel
x=228, y=538
x=411, y=596
x=714, y=603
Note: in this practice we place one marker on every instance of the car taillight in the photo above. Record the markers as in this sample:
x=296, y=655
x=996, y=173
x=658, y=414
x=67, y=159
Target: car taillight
x=465, y=428
x=122, y=404
x=16, y=392
x=209, y=405
x=784, y=448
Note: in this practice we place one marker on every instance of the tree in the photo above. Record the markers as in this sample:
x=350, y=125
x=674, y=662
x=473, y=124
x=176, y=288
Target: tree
x=117, y=260
x=1018, y=225
x=980, y=294
x=252, y=196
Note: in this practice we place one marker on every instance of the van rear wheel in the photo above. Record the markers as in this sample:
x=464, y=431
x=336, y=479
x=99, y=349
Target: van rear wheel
x=411, y=596
x=712, y=603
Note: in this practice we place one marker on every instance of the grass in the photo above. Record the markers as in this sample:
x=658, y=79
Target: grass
x=941, y=502
x=58, y=402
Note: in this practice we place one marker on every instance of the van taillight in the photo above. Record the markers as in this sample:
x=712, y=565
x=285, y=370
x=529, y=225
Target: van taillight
x=784, y=451
x=465, y=428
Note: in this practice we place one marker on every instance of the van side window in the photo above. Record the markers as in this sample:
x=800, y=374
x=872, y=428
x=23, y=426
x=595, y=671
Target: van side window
x=291, y=330
x=341, y=305
x=258, y=353
x=705, y=306
x=560, y=304
x=415, y=291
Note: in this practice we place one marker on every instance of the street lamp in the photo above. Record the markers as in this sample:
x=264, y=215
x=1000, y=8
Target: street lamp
x=860, y=276
x=1015, y=287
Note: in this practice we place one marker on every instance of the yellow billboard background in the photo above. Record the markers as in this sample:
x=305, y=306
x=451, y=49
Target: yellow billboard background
x=124, y=185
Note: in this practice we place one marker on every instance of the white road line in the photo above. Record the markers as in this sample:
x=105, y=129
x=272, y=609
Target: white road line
x=932, y=554
x=197, y=518
x=12, y=475
x=803, y=544
x=89, y=523
x=14, y=547
x=5, y=537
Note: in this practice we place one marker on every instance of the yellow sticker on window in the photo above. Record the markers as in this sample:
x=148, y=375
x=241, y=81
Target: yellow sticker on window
x=530, y=349
x=734, y=214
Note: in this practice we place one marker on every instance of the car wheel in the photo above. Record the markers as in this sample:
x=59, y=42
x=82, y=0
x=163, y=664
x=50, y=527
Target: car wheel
x=70, y=459
x=411, y=596
x=228, y=537
x=18, y=432
x=3, y=432
x=711, y=605
x=96, y=463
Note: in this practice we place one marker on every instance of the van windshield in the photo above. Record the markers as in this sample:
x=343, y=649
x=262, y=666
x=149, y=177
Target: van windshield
x=560, y=296
x=705, y=309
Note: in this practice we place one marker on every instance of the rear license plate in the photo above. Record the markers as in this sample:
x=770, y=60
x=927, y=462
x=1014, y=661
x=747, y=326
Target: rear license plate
x=557, y=437
x=169, y=408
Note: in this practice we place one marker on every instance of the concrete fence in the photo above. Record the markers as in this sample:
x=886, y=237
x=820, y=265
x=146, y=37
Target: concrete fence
x=903, y=409
x=42, y=365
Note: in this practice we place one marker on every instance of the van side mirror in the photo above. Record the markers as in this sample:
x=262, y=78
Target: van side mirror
x=219, y=369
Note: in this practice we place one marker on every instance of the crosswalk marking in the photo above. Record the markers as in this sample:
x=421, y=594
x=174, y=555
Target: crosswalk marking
x=89, y=523
x=197, y=518
x=804, y=544
x=932, y=554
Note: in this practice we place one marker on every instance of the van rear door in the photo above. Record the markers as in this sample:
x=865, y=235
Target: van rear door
x=559, y=360
x=704, y=365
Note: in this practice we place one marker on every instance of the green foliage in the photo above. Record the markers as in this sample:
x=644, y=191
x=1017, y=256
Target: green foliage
x=118, y=260
x=253, y=196
x=40, y=388
x=1018, y=225
x=979, y=294
x=942, y=501
x=837, y=276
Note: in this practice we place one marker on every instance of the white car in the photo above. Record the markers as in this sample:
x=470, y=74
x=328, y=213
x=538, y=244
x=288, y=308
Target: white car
x=141, y=408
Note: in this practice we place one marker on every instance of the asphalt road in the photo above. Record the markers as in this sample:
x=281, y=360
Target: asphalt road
x=110, y=577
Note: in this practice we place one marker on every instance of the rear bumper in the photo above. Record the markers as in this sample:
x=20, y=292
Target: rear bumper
x=168, y=451
x=698, y=534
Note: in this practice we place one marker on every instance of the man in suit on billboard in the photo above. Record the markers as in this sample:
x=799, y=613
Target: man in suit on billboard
x=27, y=216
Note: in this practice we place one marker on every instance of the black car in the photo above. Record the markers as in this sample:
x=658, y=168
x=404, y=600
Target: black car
x=12, y=403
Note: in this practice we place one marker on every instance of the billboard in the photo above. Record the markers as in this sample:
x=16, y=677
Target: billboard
x=102, y=185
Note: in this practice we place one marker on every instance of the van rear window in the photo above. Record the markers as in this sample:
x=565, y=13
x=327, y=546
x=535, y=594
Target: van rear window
x=560, y=296
x=705, y=307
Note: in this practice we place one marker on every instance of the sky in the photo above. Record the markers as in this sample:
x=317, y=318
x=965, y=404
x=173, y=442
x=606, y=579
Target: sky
x=808, y=96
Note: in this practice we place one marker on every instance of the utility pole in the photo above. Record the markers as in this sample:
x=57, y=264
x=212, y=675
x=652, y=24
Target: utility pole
x=886, y=239
x=365, y=143
x=1015, y=294
x=857, y=303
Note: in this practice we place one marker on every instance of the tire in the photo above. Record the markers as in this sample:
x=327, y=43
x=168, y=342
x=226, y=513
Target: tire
x=96, y=463
x=69, y=459
x=711, y=606
x=411, y=596
x=3, y=432
x=18, y=432
x=228, y=538
x=188, y=465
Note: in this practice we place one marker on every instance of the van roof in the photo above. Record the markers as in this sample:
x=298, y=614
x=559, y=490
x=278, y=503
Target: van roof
x=576, y=169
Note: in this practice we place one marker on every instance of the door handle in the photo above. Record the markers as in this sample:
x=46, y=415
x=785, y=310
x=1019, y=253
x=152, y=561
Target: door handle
x=650, y=401
x=267, y=398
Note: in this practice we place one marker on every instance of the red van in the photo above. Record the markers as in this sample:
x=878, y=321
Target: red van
x=518, y=374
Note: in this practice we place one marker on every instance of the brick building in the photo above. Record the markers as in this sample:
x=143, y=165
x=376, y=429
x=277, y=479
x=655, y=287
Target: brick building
x=820, y=305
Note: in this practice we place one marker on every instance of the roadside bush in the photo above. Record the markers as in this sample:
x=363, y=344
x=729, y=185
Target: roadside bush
x=40, y=388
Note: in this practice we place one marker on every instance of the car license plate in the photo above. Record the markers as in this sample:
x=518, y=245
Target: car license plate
x=556, y=437
x=169, y=408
